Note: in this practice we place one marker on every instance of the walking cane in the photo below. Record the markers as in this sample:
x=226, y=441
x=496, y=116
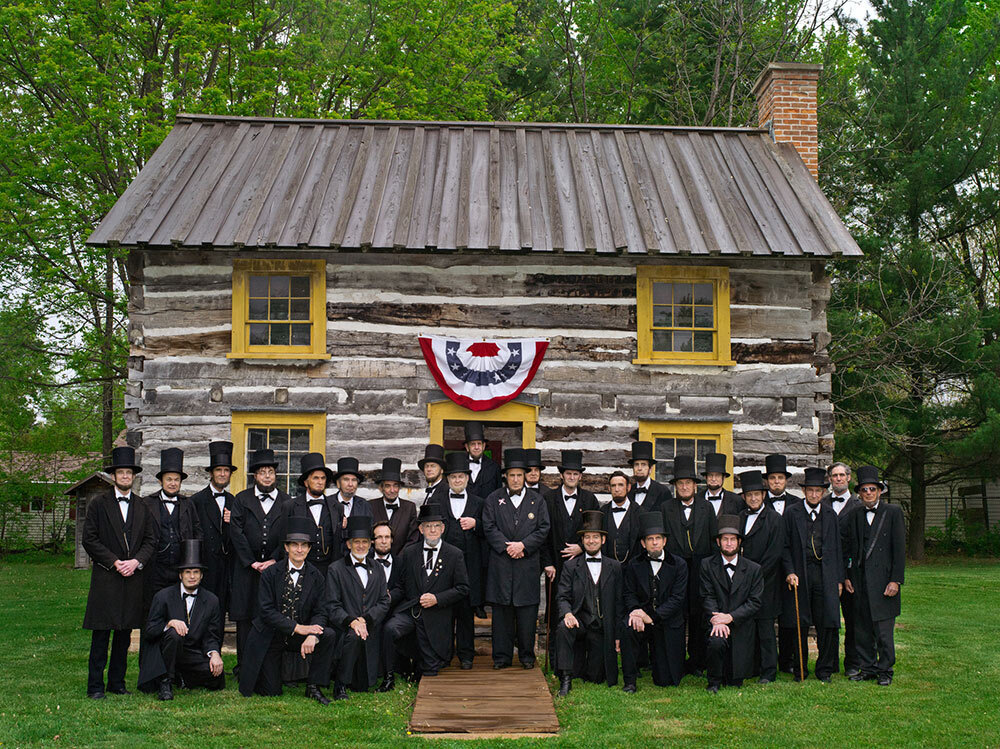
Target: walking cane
x=798, y=634
x=548, y=619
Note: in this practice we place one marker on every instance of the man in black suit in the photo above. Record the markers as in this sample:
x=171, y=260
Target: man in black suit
x=723, y=501
x=516, y=524
x=778, y=498
x=381, y=554
x=878, y=559
x=813, y=563
x=433, y=580
x=183, y=633
x=621, y=522
x=401, y=514
x=291, y=618
x=763, y=533
x=655, y=602
x=358, y=601
x=214, y=505
x=533, y=473
x=731, y=588
x=256, y=529
x=321, y=511
x=463, y=522
x=691, y=524
x=432, y=466
x=348, y=478
x=843, y=500
x=591, y=610
x=118, y=536
x=647, y=495
x=484, y=472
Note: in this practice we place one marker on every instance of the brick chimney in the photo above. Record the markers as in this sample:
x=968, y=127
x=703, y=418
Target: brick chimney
x=786, y=104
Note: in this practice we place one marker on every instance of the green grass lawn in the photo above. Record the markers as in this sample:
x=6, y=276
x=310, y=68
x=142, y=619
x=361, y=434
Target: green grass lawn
x=946, y=690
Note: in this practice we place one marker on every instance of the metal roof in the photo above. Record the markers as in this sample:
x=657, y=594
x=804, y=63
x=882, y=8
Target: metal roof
x=282, y=183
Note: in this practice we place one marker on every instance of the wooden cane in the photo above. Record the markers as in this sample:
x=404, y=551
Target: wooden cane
x=548, y=619
x=798, y=634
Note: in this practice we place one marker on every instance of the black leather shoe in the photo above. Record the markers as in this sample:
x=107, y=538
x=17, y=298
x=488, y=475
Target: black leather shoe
x=629, y=688
x=123, y=690
x=762, y=680
x=565, y=684
x=824, y=679
x=480, y=612
x=339, y=692
x=884, y=680
x=466, y=665
x=526, y=665
x=387, y=685
x=497, y=665
x=857, y=677
x=852, y=672
x=313, y=692
x=429, y=673
x=166, y=691
x=95, y=695
x=712, y=689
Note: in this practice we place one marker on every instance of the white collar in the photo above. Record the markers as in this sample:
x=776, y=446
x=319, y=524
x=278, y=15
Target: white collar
x=645, y=484
x=269, y=494
x=874, y=506
x=119, y=496
x=211, y=488
x=165, y=498
x=626, y=504
x=709, y=495
x=588, y=555
x=809, y=507
x=841, y=497
x=519, y=496
x=576, y=492
x=292, y=568
x=725, y=561
x=387, y=556
x=184, y=590
x=311, y=498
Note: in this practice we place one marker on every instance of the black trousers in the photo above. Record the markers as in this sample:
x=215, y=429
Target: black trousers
x=269, y=679
x=353, y=660
x=99, y=639
x=719, y=663
x=788, y=653
x=874, y=639
x=826, y=637
x=851, y=660
x=650, y=641
x=767, y=648
x=509, y=621
x=188, y=664
x=697, y=620
x=401, y=627
x=465, y=630
x=243, y=627
x=580, y=651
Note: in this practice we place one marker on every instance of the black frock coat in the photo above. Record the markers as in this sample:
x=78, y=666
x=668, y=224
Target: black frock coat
x=115, y=602
x=347, y=600
x=216, y=547
x=403, y=522
x=881, y=561
x=188, y=527
x=514, y=582
x=325, y=549
x=488, y=480
x=739, y=598
x=793, y=560
x=256, y=538
x=732, y=503
x=204, y=629
x=621, y=543
x=572, y=593
x=656, y=495
x=471, y=543
x=564, y=526
x=765, y=545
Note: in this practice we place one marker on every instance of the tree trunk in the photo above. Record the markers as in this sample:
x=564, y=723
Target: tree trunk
x=918, y=502
x=107, y=359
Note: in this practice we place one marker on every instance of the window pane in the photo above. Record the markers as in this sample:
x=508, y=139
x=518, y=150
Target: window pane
x=663, y=449
x=662, y=292
x=258, y=334
x=300, y=286
x=279, y=335
x=682, y=293
x=703, y=317
x=279, y=309
x=661, y=316
x=279, y=440
x=705, y=446
x=685, y=446
x=258, y=309
x=299, y=441
x=682, y=317
x=300, y=309
x=682, y=341
x=300, y=335
x=256, y=439
x=703, y=293
x=258, y=285
x=279, y=286
x=661, y=340
x=703, y=343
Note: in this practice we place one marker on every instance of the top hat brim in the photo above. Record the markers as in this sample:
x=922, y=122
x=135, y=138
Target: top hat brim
x=330, y=478
x=705, y=475
x=602, y=531
x=112, y=468
x=300, y=537
x=424, y=461
x=786, y=474
x=171, y=470
x=879, y=484
x=355, y=474
x=466, y=469
x=254, y=467
x=209, y=469
x=734, y=531
x=579, y=468
x=431, y=519
x=693, y=476
x=195, y=566
x=631, y=461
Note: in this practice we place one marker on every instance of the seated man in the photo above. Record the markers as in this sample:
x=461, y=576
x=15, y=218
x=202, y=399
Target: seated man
x=183, y=633
x=590, y=611
x=732, y=587
x=434, y=580
x=291, y=617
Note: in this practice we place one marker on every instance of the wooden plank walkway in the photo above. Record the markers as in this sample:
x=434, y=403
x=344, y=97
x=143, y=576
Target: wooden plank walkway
x=483, y=703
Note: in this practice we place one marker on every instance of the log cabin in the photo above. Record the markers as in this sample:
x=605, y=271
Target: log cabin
x=282, y=270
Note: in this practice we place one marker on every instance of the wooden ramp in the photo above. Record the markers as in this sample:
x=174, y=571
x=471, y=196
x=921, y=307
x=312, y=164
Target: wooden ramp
x=483, y=703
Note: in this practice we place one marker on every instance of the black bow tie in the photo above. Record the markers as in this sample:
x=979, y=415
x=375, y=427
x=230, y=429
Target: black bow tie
x=871, y=510
x=511, y=496
x=594, y=559
x=457, y=496
x=475, y=460
x=190, y=595
x=169, y=501
x=361, y=564
x=568, y=497
x=731, y=566
x=656, y=559
x=264, y=497
x=753, y=512
x=392, y=507
x=619, y=509
x=428, y=548
x=314, y=502
x=384, y=562
x=126, y=500
x=687, y=506
x=840, y=499
x=640, y=490
x=345, y=504
x=216, y=495
x=813, y=514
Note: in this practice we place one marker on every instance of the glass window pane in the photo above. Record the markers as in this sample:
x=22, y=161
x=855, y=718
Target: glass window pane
x=279, y=309
x=258, y=309
x=300, y=309
x=662, y=340
x=662, y=316
x=703, y=317
x=682, y=317
x=300, y=335
x=682, y=293
x=278, y=439
x=705, y=446
x=682, y=341
x=685, y=446
x=258, y=334
x=258, y=285
x=279, y=286
x=279, y=335
x=663, y=448
x=662, y=292
x=299, y=440
x=703, y=293
x=300, y=286
x=703, y=343
x=256, y=439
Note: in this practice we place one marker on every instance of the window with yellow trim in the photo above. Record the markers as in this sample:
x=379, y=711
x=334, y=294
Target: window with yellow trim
x=697, y=438
x=682, y=315
x=279, y=309
x=289, y=435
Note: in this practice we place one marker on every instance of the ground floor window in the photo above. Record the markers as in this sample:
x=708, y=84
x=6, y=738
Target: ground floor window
x=290, y=435
x=697, y=438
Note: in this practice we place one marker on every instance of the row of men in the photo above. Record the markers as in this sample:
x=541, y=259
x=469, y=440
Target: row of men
x=503, y=547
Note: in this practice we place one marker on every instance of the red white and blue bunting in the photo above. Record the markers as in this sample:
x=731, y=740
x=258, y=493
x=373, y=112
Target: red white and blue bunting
x=480, y=374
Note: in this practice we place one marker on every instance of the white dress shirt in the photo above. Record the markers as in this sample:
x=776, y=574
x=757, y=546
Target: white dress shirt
x=189, y=601
x=715, y=499
x=171, y=502
x=386, y=567
x=293, y=572
x=752, y=518
x=458, y=504
x=618, y=517
x=314, y=510
x=687, y=509
x=267, y=500
x=641, y=498
x=570, y=503
x=475, y=466
x=347, y=506
x=839, y=501
x=362, y=571
x=593, y=568
x=870, y=513
x=428, y=569
x=655, y=563
x=731, y=571
x=219, y=497
x=778, y=505
x=516, y=499
x=123, y=500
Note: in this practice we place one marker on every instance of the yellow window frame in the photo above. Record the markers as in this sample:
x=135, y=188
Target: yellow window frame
x=646, y=276
x=441, y=411
x=243, y=268
x=243, y=421
x=720, y=431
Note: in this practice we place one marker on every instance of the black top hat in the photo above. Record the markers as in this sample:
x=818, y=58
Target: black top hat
x=571, y=460
x=359, y=526
x=348, y=466
x=729, y=524
x=642, y=451
x=513, y=457
x=172, y=461
x=300, y=528
x=815, y=477
x=533, y=457
x=220, y=455
x=191, y=555
x=593, y=522
x=392, y=470
x=262, y=459
x=123, y=457
x=432, y=454
x=474, y=431
x=430, y=512
x=751, y=481
x=456, y=463
x=716, y=463
x=868, y=475
x=651, y=524
x=684, y=469
x=313, y=462
x=775, y=463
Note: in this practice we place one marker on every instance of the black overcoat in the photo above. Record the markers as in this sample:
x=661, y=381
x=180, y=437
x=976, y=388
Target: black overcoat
x=739, y=598
x=621, y=543
x=514, y=582
x=656, y=495
x=765, y=545
x=347, y=600
x=571, y=595
x=204, y=629
x=794, y=560
x=471, y=543
x=216, y=546
x=564, y=526
x=881, y=561
x=256, y=538
x=403, y=522
x=732, y=503
x=698, y=541
x=488, y=480
x=326, y=546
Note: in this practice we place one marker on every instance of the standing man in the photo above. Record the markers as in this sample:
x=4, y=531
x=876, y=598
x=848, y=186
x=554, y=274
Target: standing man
x=516, y=524
x=322, y=512
x=256, y=529
x=813, y=563
x=621, y=521
x=214, y=505
x=878, y=557
x=533, y=475
x=433, y=580
x=485, y=473
x=778, y=498
x=763, y=533
x=591, y=610
x=358, y=600
x=691, y=524
x=183, y=633
x=731, y=587
x=843, y=501
x=655, y=603
x=118, y=535
x=432, y=465
x=291, y=618
x=723, y=501
x=646, y=494
x=401, y=514
x=463, y=521
x=348, y=479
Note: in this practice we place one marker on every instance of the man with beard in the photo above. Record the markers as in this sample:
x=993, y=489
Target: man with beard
x=214, y=505
x=484, y=472
x=401, y=514
x=621, y=521
x=723, y=501
x=432, y=465
x=778, y=498
x=533, y=475
x=843, y=500
x=348, y=479
x=322, y=512
x=647, y=495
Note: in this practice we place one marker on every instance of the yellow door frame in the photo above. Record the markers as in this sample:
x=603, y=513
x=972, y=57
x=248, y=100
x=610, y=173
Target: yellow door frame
x=523, y=413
